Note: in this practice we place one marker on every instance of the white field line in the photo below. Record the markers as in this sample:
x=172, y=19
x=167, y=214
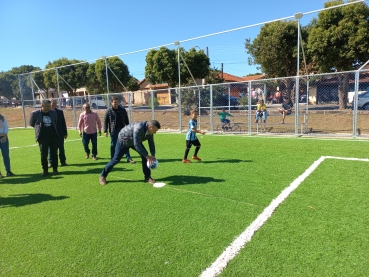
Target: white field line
x=235, y=247
x=32, y=145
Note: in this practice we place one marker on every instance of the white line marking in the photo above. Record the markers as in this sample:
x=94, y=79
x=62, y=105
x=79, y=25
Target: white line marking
x=235, y=247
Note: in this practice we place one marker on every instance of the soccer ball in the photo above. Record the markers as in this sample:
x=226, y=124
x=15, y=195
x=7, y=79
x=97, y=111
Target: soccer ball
x=154, y=165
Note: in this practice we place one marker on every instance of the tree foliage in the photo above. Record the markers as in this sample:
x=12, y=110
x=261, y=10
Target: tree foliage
x=71, y=77
x=275, y=49
x=162, y=66
x=339, y=41
x=9, y=82
x=120, y=70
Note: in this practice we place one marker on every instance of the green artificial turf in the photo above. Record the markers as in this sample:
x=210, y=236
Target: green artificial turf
x=70, y=225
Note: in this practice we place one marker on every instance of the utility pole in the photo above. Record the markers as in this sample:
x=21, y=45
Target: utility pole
x=222, y=70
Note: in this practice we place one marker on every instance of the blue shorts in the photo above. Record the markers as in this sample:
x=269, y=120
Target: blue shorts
x=225, y=121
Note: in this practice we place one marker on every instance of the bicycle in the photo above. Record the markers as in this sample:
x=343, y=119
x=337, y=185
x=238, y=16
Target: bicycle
x=233, y=127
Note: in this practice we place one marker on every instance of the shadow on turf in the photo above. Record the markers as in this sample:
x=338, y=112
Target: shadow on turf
x=19, y=200
x=180, y=180
x=206, y=161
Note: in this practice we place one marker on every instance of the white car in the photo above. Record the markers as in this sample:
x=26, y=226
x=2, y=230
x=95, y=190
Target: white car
x=97, y=102
x=363, y=101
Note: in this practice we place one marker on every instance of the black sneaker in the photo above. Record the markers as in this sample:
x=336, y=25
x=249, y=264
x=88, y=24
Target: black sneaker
x=45, y=173
x=64, y=164
x=56, y=172
x=10, y=174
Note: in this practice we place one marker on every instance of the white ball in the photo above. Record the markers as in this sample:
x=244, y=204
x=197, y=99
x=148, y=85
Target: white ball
x=154, y=165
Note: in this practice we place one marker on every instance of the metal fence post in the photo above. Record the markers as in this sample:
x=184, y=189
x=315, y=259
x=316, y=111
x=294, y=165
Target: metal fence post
x=211, y=110
x=249, y=122
x=356, y=97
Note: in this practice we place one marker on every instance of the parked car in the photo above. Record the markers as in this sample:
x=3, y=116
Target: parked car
x=224, y=100
x=363, y=101
x=97, y=102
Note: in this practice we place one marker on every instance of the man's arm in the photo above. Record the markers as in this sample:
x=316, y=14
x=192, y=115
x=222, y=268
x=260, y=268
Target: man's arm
x=126, y=120
x=106, y=122
x=98, y=123
x=32, y=120
x=138, y=134
x=64, y=124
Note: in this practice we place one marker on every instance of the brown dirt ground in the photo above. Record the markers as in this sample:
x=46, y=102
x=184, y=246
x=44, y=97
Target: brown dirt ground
x=319, y=121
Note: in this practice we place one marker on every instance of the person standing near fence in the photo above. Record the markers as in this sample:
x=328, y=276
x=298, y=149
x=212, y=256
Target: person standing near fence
x=87, y=130
x=4, y=145
x=115, y=119
x=46, y=133
x=63, y=134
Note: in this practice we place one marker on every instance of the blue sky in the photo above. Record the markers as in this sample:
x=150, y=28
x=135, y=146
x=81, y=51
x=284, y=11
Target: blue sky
x=36, y=32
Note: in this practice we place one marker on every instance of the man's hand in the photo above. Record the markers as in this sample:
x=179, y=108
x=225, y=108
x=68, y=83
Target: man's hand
x=106, y=134
x=151, y=159
x=80, y=133
x=65, y=137
x=100, y=133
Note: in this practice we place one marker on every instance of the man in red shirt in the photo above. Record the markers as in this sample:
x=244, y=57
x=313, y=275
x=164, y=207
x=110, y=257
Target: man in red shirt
x=88, y=131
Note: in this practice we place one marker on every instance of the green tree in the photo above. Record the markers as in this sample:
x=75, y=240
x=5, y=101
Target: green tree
x=93, y=85
x=162, y=66
x=72, y=71
x=214, y=76
x=12, y=77
x=132, y=84
x=275, y=50
x=339, y=41
x=6, y=81
x=120, y=70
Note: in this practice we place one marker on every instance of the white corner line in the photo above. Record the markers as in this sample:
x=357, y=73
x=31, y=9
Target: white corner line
x=235, y=247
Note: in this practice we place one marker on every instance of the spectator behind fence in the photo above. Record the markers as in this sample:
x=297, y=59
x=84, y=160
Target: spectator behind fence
x=286, y=108
x=44, y=121
x=277, y=97
x=87, y=130
x=223, y=118
x=261, y=111
x=4, y=145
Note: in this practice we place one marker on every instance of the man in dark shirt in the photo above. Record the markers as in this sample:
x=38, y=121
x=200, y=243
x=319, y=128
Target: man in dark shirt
x=63, y=134
x=44, y=121
x=286, y=109
x=114, y=120
x=132, y=136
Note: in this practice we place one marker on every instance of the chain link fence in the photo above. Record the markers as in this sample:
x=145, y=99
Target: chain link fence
x=326, y=105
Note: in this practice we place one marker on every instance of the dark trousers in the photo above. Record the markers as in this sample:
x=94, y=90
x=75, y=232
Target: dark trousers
x=113, y=143
x=62, y=157
x=118, y=155
x=45, y=143
x=4, y=146
x=86, y=141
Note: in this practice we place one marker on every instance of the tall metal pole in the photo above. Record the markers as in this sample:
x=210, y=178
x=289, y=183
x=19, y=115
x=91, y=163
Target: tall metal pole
x=57, y=79
x=22, y=101
x=107, y=78
x=298, y=16
x=179, y=88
